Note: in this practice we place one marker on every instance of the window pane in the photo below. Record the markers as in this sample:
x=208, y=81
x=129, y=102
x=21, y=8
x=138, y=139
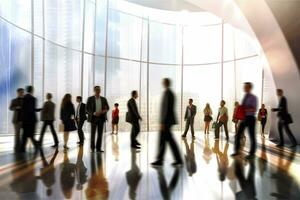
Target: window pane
x=203, y=84
x=89, y=26
x=202, y=44
x=124, y=35
x=228, y=42
x=100, y=37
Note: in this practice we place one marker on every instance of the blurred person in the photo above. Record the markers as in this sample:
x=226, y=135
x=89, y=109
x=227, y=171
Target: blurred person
x=133, y=176
x=191, y=164
x=29, y=118
x=168, y=119
x=284, y=119
x=222, y=120
x=80, y=170
x=133, y=117
x=67, y=116
x=190, y=113
x=235, y=119
x=47, y=116
x=16, y=107
x=207, y=118
x=249, y=105
x=262, y=117
x=67, y=176
x=97, y=108
x=80, y=118
x=115, y=119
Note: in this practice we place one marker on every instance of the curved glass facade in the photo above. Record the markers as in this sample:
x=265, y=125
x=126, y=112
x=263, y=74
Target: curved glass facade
x=68, y=46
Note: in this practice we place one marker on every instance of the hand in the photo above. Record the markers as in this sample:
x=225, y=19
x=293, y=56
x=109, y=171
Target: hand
x=104, y=111
x=97, y=114
x=162, y=127
x=273, y=110
x=141, y=119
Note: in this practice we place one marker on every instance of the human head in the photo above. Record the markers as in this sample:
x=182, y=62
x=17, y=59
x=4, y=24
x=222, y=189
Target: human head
x=116, y=105
x=48, y=96
x=166, y=83
x=222, y=103
x=20, y=92
x=190, y=101
x=78, y=99
x=279, y=92
x=67, y=99
x=207, y=105
x=97, y=90
x=248, y=87
x=29, y=89
x=263, y=106
x=134, y=94
x=236, y=104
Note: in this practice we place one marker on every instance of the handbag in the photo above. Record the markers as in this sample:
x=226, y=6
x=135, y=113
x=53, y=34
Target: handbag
x=128, y=117
x=223, y=118
x=259, y=117
x=240, y=113
x=288, y=119
x=214, y=125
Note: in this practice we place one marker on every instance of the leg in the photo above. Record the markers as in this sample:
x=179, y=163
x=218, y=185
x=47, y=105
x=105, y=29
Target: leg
x=93, y=134
x=54, y=135
x=251, y=128
x=226, y=130
x=173, y=145
x=24, y=137
x=117, y=128
x=66, y=138
x=205, y=127
x=208, y=125
x=31, y=136
x=217, y=129
x=290, y=134
x=80, y=132
x=137, y=131
x=280, y=127
x=112, y=128
x=162, y=146
x=192, y=127
x=238, y=136
x=100, y=135
x=187, y=126
x=43, y=132
x=132, y=134
x=17, y=126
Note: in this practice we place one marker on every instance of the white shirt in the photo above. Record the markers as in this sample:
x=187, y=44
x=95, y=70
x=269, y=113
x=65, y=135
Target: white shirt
x=78, y=110
x=98, y=104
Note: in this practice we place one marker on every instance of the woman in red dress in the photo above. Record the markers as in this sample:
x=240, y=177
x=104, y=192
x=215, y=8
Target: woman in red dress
x=115, y=119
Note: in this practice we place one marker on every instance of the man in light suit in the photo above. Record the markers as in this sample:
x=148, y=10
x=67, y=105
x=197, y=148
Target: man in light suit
x=97, y=108
x=16, y=106
x=189, y=116
x=283, y=121
x=168, y=119
x=134, y=117
x=80, y=117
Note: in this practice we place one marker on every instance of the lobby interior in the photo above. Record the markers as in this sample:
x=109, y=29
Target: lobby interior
x=209, y=49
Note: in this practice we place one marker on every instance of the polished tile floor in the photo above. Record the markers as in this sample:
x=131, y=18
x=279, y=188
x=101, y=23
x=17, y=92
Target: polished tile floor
x=122, y=173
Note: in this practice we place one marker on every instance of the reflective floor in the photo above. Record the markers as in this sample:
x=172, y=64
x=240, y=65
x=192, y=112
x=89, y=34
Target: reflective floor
x=122, y=173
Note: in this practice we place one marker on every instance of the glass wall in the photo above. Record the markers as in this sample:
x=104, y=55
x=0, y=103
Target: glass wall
x=68, y=46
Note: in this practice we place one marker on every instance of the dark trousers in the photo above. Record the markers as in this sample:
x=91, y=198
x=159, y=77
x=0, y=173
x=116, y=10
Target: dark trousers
x=282, y=124
x=53, y=132
x=97, y=125
x=166, y=136
x=217, y=129
x=80, y=131
x=189, y=122
x=135, y=129
x=28, y=133
x=248, y=122
x=18, y=142
x=263, y=124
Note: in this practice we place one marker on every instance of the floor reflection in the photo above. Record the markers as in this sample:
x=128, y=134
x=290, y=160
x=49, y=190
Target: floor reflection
x=115, y=146
x=67, y=176
x=222, y=159
x=133, y=176
x=207, y=152
x=190, y=162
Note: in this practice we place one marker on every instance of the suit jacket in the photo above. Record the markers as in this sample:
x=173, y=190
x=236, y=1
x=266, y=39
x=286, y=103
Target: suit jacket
x=282, y=108
x=48, y=110
x=81, y=112
x=16, y=107
x=168, y=116
x=133, y=110
x=67, y=112
x=29, y=109
x=193, y=112
x=91, y=108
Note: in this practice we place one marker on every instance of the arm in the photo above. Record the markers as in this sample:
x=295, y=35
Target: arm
x=88, y=107
x=14, y=106
x=195, y=111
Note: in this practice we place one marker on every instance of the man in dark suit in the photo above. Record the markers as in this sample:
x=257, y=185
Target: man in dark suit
x=189, y=116
x=47, y=116
x=80, y=117
x=167, y=120
x=29, y=118
x=134, y=119
x=16, y=106
x=96, y=108
x=283, y=119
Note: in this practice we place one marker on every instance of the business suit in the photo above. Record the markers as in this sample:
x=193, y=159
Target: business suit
x=47, y=116
x=135, y=117
x=189, y=116
x=97, y=122
x=282, y=121
x=80, y=119
x=168, y=119
x=16, y=106
x=29, y=120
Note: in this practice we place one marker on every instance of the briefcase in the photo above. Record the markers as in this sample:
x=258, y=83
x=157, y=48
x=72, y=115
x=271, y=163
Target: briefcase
x=289, y=119
x=128, y=117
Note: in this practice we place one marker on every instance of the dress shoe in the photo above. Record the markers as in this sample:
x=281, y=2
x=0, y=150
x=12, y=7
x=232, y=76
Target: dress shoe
x=135, y=147
x=293, y=145
x=54, y=146
x=158, y=163
x=177, y=164
x=193, y=137
x=137, y=143
x=100, y=151
x=66, y=147
x=235, y=154
x=279, y=145
x=183, y=136
x=250, y=156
